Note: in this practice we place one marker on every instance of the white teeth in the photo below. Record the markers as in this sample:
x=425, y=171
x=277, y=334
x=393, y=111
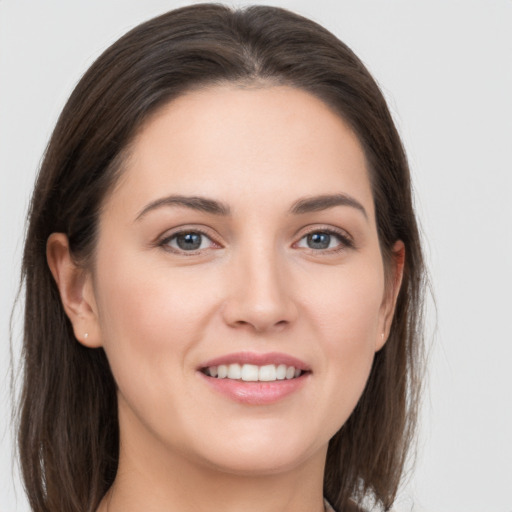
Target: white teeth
x=253, y=373
x=268, y=372
x=234, y=371
x=290, y=372
x=281, y=372
x=250, y=372
x=222, y=371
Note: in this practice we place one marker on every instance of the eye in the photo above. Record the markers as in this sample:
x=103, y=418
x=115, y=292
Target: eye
x=188, y=241
x=325, y=240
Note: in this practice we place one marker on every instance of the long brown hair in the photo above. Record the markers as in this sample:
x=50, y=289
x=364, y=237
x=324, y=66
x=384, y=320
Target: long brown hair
x=68, y=430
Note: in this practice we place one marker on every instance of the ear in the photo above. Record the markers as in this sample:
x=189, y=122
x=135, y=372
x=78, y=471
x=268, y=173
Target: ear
x=76, y=290
x=393, y=284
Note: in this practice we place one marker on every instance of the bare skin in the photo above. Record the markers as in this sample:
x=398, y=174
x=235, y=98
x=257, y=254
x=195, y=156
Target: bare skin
x=280, y=256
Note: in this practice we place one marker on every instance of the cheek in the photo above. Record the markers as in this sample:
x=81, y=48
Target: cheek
x=348, y=324
x=153, y=301
x=347, y=304
x=150, y=318
x=150, y=323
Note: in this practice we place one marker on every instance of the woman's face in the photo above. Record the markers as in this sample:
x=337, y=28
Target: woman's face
x=241, y=237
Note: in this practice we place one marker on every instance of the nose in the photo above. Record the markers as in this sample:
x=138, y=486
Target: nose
x=260, y=292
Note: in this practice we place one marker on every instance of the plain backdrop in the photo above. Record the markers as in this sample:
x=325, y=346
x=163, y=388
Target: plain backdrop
x=445, y=67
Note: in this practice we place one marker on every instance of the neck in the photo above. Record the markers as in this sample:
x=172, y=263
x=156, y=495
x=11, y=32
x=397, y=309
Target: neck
x=155, y=480
x=205, y=490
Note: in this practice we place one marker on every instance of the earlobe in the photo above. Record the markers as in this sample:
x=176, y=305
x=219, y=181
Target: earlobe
x=391, y=293
x=75, y=289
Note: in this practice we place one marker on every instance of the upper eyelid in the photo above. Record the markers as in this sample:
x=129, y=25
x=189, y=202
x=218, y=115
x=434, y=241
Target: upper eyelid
x=326, y=229
x=171, y=233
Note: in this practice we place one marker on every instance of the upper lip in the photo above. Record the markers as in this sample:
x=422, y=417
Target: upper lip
x=258, y=359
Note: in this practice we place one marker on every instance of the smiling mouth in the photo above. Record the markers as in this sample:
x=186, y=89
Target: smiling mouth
x=253, y=373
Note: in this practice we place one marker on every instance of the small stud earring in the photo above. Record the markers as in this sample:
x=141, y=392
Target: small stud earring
x=86, y=335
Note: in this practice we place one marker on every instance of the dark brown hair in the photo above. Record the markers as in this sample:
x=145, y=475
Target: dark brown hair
x=68, y=429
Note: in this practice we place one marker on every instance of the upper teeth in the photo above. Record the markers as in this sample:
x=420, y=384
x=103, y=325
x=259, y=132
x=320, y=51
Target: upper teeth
x=253, y=373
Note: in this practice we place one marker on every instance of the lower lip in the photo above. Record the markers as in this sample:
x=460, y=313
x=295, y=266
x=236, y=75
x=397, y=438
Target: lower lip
x=256, y=393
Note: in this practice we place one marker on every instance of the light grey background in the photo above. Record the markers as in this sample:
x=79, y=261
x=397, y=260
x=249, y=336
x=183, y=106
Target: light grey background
x=445, y=68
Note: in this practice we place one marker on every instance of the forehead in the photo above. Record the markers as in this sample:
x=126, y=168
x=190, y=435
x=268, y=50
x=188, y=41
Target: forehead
x=247, y=144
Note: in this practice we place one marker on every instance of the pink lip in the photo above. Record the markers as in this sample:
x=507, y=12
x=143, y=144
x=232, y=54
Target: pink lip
x=257, y=359
x=256, y=393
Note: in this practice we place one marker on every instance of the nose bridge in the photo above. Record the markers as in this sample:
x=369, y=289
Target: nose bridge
x=260, y=293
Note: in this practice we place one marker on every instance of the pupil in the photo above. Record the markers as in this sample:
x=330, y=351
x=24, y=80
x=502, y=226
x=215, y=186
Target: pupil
x=189, y=241
x=319, y=240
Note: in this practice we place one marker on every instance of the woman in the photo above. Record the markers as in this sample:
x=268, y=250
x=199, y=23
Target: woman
x=223, y=277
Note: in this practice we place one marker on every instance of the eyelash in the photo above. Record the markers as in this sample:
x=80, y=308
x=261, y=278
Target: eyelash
x=345, y=241
x=166, y=241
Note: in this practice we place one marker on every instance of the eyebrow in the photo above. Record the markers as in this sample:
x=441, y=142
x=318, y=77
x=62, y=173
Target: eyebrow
x=212, y=206
x=202, y=204
x=323, y=202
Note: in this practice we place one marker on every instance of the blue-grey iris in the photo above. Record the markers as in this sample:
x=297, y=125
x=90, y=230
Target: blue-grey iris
x=189, y=241
x=318, y=240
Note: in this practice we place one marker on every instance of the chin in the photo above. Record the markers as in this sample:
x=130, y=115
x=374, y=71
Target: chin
x=259, y=454
x=260, y=464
